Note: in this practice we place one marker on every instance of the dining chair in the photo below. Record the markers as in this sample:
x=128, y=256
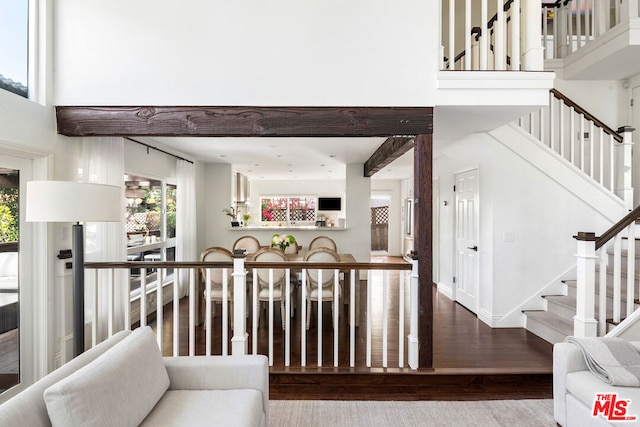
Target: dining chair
x=271, y=254
x=326, y=290
x=323, y=242
x=216, y=276
x=250, y=244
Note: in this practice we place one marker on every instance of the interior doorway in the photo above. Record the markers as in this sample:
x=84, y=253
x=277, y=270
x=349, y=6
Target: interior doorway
x=466, y=234
x=380, y=225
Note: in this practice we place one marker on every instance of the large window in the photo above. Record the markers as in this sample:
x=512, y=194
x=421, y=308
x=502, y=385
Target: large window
x=14, y=30
x=288, y=209
x=150, y=227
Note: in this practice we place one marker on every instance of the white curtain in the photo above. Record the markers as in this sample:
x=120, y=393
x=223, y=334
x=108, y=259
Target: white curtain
x=186, y=242
x=103, y=163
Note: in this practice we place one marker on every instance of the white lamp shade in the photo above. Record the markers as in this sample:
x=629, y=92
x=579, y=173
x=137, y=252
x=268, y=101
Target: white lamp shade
x=67, y=201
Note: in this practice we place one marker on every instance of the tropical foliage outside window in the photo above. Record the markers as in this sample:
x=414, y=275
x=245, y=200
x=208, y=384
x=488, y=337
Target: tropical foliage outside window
x=288, y=209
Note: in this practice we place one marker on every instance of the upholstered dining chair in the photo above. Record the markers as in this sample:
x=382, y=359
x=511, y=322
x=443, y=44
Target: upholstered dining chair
x=216, y=277
x=326, y=290
x=323, y=242
x=271, y=254
x=250, y=244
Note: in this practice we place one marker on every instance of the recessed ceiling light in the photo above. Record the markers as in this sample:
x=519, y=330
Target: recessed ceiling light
x=278, y=156
x=329, y=171
x=321, y=166
x=332, y=156
x=290, y=171
x=223, y=155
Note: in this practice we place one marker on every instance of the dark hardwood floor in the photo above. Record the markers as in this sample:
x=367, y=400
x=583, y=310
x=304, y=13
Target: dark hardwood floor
x=471, y=360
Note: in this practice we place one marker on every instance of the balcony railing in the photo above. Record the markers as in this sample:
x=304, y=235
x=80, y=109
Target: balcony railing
x=375, y=323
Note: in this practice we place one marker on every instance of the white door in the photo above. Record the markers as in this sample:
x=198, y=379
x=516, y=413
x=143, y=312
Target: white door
x=466, y=279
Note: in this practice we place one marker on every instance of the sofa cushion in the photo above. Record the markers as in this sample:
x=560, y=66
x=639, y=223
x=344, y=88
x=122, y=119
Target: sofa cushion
x=28, y=407
x=193, y=408
x=584, y=386
x=119, y=388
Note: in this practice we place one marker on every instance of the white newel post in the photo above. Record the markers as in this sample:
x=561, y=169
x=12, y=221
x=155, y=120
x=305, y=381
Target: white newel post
x=531, y=38
x=414, y=350
x=624, y=184
x=239, y=342
x=584, y=322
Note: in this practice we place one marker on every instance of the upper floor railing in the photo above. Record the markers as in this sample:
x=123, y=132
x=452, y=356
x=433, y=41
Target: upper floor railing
x=569, y=25
x=495, y=35
x=373, y=332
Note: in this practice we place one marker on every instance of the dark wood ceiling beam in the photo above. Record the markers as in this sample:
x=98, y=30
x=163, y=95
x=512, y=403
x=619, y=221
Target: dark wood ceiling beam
x=390, y=150
x=202, y=121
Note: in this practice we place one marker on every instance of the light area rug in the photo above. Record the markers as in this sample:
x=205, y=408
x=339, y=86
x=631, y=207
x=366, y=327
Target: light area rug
x=485, y=413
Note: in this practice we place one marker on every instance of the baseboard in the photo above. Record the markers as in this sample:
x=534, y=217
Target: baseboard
x=445, y=290
x=488, y=318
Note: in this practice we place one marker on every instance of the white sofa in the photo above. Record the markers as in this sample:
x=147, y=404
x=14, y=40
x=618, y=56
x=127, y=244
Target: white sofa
x=575, y=389
x=125, y=381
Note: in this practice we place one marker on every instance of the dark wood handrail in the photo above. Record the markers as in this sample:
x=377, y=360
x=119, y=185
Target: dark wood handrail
x=506, y=7
x=618, y=227
x=559, y=95
x=401, y=265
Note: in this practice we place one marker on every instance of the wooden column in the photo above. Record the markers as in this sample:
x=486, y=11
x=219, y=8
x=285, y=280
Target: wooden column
x=423, y=193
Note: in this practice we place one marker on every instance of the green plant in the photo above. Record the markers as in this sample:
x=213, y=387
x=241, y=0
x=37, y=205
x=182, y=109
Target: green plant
x=8, y=226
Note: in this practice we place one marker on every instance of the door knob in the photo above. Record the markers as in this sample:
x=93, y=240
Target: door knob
x=475, y=248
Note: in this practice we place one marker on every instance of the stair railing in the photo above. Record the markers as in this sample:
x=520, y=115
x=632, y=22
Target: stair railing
x=510, y=40
x=569, y=25
x=586, y=142
x=602, y=263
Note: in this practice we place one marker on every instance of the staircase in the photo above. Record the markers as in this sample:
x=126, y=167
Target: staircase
x=556, y=322
x=596, y=154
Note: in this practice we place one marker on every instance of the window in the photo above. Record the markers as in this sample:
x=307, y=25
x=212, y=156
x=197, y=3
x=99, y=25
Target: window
x=289, y=209
x=150, y=227
x=14, y=29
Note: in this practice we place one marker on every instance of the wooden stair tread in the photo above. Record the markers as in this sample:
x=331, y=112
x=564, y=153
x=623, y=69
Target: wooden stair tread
x=551, y=320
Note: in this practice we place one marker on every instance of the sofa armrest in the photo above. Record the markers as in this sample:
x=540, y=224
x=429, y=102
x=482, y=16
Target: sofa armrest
x=567, y=358
x=220, y=373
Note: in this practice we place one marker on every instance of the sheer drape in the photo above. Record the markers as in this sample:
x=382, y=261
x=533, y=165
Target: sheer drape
x=185, y=219
x=103, y=163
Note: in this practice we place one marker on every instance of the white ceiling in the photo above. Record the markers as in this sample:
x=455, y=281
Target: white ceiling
x=284, y=158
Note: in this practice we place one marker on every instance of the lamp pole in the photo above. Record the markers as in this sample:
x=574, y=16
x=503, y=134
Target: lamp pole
x=77, y=266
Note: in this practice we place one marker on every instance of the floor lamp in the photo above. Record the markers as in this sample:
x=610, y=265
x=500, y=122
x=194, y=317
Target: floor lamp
x=67, y=201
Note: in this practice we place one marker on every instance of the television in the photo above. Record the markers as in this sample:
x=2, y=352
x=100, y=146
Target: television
x=329, y=203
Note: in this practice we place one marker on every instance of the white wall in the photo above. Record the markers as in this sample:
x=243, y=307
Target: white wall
x=517, y=198
x=605, y=99
x=285, y=52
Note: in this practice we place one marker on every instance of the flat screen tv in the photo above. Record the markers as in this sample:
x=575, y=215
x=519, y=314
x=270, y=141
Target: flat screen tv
x=329, y=203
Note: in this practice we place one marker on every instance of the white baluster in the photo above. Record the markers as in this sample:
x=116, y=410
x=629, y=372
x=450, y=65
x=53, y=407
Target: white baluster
x=159, y=310
x=579, y=23
x=176, y=312
x=385, y=317
x=368, y=344
x=631, y=268
x=484, y=35
x=287, y=318
x=617, y=277
x=271, y=317
x=582, y=144
x=515, y=35
x=207, y=313
x=602, y=290
x=94, y=315
x=127, y=300
x=401, y=290
x=193, y=273
x=612, y=163
x=143, y=296
x=592, y=152
x=225, y=312
x=498, y=28
x=256, y=312
x=352, y=324
x=572, y=135
x=336, y=315
x=601, y=140
x=467, y=35
x=303, y=320
x=320, y=281
x=452, y=35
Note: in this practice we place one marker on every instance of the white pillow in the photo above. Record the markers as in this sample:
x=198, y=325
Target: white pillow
x=119, y=388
